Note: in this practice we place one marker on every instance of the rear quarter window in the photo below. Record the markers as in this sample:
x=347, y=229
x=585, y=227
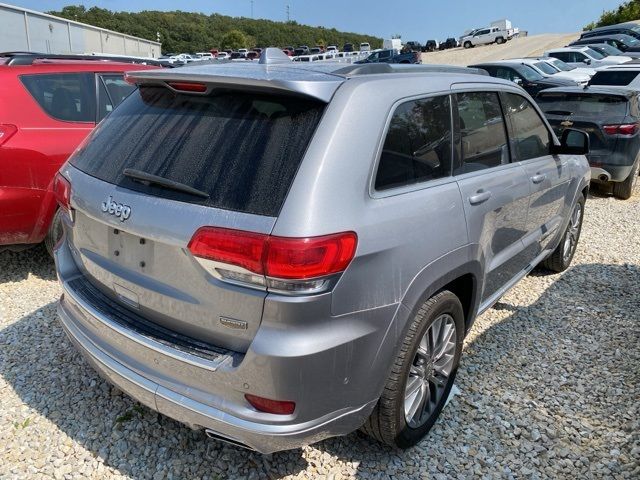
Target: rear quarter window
x=70, y=97
x=242, y=149
x=417, y=147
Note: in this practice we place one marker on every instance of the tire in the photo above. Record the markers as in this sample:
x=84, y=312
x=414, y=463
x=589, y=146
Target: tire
x=499, y=40
x=55, y=232
x=389, y=422
x=467, y=44
x=623, y=190
x=562, y=256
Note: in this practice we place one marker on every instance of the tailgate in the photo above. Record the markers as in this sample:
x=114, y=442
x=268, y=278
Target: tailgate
x=144, y=265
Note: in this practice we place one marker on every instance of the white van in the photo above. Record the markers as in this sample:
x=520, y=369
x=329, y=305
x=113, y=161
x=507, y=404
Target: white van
x=392, y=44
x=365, y=47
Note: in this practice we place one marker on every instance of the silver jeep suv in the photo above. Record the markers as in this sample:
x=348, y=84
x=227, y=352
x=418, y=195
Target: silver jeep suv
x=278, y=254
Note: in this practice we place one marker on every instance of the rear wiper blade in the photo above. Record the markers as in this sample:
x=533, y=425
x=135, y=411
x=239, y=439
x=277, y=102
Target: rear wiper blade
x=148, y=179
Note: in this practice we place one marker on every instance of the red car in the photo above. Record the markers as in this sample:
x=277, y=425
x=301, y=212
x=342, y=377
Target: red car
x=48, y=105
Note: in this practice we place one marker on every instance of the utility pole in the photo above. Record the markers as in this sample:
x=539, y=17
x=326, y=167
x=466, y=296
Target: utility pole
x=288, y=13
x=251, y=8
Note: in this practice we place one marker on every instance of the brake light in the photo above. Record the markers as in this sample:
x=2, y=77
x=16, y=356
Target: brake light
x=277, y=407
x=6, y=132
x=233, y=247
x=62, y=191
x=282, y=263
x=624, y=129
x=188, y=87
x=302, y=258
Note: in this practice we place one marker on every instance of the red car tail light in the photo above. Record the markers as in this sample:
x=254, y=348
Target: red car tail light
x=277, y=407
x=623, y=129
x=286, y=264
x=6, y=132
x=62, y=191
x=233, y=247
x=303, y=258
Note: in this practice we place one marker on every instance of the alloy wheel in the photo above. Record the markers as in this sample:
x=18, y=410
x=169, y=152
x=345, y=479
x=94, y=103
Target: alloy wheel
x=573, y=232
x=430, y=371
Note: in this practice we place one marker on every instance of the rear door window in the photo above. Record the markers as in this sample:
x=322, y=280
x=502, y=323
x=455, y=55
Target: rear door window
x=482, y=131
x=417, y=147
x=528, y=134
x=70, y=97
x=112, y=90
x=242, y=149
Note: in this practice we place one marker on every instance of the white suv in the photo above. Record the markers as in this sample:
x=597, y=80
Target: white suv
x=581, y=56
x=544, y=68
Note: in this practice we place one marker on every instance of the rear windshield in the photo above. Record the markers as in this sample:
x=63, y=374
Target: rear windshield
x=613, y=78
x=560, y=103
x=241, y=149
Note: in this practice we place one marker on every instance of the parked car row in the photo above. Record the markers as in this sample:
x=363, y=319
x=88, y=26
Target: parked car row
x=592, y=87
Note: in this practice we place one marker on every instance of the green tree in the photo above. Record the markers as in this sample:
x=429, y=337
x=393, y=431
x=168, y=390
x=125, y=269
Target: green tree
x=234, y=39
x=626, y=12
x=197, y=32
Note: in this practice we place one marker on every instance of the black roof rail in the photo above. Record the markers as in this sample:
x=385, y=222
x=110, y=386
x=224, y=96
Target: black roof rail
x=27, y=58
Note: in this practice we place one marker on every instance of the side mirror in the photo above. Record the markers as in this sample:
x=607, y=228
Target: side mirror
x=517, y=81
x=587, y=61
x=573, y=142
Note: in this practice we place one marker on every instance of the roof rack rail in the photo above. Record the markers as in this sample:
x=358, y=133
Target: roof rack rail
x=374, y=68
x=27, y=58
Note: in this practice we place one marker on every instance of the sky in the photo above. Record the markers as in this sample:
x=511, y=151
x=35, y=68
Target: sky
x=413, y=19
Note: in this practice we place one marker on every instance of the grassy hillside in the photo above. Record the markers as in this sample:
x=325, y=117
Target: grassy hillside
x=196, y=32
x=626, y=12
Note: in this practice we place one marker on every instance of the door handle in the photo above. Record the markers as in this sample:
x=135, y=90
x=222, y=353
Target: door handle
x=480, y=197
x=539, y=178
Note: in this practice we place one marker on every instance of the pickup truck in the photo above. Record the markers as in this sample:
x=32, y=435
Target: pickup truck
x=390, y=56
x=485, y=36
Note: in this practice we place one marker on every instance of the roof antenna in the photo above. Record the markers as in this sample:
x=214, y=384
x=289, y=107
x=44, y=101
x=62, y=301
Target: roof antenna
x=273, y=56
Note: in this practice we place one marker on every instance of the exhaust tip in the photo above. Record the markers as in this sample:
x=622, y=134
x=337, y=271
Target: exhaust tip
x=603, y=178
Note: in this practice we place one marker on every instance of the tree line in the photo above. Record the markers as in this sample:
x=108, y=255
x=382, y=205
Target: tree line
x=626, y=12
x=196, y=32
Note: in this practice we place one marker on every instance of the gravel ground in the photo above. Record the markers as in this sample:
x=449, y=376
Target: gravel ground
x=549, y=387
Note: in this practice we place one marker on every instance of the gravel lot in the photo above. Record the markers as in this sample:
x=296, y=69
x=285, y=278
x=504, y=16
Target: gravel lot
x=549, y=387
x=530, y=46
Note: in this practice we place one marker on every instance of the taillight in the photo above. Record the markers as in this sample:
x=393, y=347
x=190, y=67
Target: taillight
x=277, y=407
x=62, y=191
x=6, y=132
x=294, y=265
x=188, y=87
x=623, y=129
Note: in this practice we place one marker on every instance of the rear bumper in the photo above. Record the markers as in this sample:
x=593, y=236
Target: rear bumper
x=610, y=173
x=263, y=438
x=334, y=392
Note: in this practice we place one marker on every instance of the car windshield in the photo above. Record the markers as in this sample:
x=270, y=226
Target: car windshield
x=529, y=73
x=560, y=65
x=609, y=49
x=546, y=68
x=593, y=54
x=581, y=103
x=629, y=40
